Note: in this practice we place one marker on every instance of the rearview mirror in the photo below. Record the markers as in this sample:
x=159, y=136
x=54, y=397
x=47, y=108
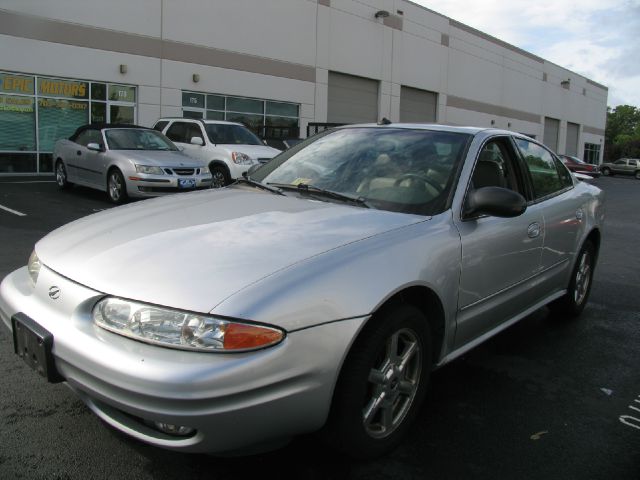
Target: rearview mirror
x=494, y=201
x=197, y=141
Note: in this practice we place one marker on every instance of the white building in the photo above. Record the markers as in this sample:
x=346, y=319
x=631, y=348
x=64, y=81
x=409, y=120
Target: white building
x=285, y=64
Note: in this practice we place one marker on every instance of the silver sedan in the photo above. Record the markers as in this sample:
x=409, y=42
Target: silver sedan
x=317, y=294
x=126, y=161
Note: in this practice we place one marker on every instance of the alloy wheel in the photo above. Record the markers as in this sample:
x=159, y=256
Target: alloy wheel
x=392, y=384
x=583, y=278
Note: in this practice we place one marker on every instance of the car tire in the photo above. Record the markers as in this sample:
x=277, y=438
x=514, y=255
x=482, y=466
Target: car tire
x=606, y=171
x=637, y=174
x=572, y=303
x=61, y=176
x=219, y=176
x=382, y=384
x=116, y=187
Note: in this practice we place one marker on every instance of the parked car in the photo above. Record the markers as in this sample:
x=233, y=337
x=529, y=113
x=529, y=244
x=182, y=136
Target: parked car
x=126, y=161
x=623, y=166
x=576, y=165
x=317, y=293
x=229, y=148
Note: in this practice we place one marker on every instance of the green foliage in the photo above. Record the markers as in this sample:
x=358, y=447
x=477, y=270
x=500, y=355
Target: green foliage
x=622, y=134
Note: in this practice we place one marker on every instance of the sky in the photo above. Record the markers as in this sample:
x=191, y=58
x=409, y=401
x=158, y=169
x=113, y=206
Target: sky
x=599, y=39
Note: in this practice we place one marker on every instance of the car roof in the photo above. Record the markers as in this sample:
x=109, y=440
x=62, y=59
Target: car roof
x=201, y=120
x=432, y=126
x=101, y=126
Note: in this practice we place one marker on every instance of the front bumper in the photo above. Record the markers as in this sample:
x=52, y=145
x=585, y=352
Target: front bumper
x=234, y=401
x=154, y=185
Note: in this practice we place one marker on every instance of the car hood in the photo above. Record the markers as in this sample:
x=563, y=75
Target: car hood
x=193, y=250
x=157, y=158
x=254, y=151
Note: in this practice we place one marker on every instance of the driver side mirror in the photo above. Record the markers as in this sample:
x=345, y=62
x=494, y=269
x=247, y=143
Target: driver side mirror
x=197, y=141
x=494, y=201
x=96, y=147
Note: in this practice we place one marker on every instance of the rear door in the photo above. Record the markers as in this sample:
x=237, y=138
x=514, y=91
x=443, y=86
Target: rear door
x=554, y=193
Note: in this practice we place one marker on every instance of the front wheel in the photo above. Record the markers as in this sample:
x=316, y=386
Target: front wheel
x=382, y=384
x=638, y=174
x=116, y=188
x=573, y=302
x=220, y=176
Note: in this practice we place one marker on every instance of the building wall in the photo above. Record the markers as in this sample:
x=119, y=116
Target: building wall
x=283, y=50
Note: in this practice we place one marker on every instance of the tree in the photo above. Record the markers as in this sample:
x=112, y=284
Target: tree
x=622, y=133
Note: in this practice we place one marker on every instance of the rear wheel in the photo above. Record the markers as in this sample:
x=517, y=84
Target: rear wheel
x=116, y=188
x=638, y=174
x=606, y=171
x=382, y=384
x=573, y=302
x=61, y=175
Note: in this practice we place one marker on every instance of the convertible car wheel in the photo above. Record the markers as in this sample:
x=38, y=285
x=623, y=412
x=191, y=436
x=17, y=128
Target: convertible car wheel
x=382, y=384
x=116, y=188
x=574, y=301
x=61, y=175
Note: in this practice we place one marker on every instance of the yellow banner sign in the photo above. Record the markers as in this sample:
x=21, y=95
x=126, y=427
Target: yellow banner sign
x=16, y=84
x=62, y=88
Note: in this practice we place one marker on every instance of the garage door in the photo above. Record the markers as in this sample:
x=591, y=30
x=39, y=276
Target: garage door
x=551, y=129
x=573, y=130
x=417, y=105
x=352, y=99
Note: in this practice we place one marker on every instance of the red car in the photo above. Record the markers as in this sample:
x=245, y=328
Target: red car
x=576, y=165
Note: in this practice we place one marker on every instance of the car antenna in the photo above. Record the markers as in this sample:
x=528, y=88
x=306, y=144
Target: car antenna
x=384, y=121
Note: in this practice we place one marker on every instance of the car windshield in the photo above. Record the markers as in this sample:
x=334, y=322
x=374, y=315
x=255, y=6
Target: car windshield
x=137, y=139
x=224, y=134
x=395, y=169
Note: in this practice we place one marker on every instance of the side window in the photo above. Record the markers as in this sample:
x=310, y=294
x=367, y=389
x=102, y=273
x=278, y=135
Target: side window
x=160, y=125
x=621, y=162
x=89, y=136
x=495, y=167
x=545, y=176
x=193, y=130
x=565, y=175
x=178, y=132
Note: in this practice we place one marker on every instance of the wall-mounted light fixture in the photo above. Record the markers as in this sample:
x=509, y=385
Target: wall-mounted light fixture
x=196, y=78
x=381, y=14
x=509, y=125
x=123, y=68
x=565, y=83
x=493, y=122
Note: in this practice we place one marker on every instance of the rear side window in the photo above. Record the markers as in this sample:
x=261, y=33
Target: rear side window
x=160, y=125
x=545, y=173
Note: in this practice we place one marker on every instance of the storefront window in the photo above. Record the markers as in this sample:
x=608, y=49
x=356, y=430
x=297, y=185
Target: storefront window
x=59, y=119
x=268, y=119
x=35, y=112
x=122, y=114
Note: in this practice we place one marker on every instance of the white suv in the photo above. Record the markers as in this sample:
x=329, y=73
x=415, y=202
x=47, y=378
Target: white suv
x=229, y=148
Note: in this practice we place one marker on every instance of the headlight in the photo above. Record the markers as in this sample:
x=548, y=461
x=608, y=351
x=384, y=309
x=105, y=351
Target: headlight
x=179, y=329
x=149, y=170
x=34, y=267
x=204, y=171
x=241, y=158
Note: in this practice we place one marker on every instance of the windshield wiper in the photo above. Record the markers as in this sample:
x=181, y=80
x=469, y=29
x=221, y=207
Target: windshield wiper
x=255, y=183
x=305, y=188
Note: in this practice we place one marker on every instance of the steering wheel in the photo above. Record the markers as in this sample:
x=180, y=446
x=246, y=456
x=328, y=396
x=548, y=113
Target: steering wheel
x=413, y=178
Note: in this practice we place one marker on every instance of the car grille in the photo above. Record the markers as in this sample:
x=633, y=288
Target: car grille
x=182, y=171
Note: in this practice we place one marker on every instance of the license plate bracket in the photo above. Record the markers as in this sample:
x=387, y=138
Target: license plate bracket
x=34, y=344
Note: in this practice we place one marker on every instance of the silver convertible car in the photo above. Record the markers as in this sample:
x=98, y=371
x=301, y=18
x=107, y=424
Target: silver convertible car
x=126, y=161
x=316, y=294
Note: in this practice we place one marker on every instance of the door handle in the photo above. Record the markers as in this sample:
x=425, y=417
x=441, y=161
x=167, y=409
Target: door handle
x=79, y=152
x=534, y=230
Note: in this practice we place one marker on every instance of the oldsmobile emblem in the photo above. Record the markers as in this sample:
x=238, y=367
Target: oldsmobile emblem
x=54, y=292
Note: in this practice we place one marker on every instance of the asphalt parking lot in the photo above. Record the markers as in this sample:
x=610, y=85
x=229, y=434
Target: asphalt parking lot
x=546, y=398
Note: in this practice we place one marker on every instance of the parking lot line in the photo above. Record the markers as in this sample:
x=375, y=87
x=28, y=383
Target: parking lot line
x=15, y=212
